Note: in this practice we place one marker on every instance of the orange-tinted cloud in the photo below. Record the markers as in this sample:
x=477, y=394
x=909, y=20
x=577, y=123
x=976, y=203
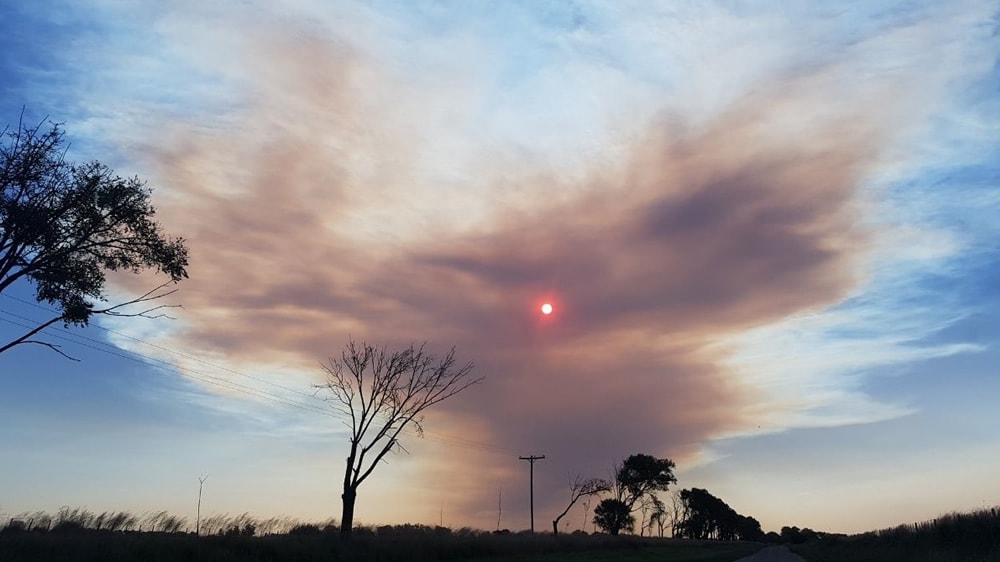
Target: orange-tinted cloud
x=308, y=222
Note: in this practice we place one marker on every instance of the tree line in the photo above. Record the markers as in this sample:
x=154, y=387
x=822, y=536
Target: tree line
x=707, y=517
x=693, y=513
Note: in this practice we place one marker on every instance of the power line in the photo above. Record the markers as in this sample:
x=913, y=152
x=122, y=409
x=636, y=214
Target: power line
x=111, y=349
x=165, y=366
x=161, y=348
x=237, y=387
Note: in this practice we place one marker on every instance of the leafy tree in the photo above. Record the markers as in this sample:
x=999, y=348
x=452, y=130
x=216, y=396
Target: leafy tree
x=698, y=520
x=63, y=226
x=381, y=393
x=642, y=474
x=791, y=534
x=795, y=535
x=613, y=516
x=748, y=529
x=578, y=489
x=708, y=517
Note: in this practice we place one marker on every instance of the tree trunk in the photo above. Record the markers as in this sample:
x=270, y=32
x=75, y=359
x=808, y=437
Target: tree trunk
x=555, y=528
x=347, y=518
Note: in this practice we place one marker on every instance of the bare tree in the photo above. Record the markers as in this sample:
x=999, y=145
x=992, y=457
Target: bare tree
x=381, y=393
x=201, y=484
x=676, y=514
x=644, y=507
x=657, y=514
x=63, y=226
x=499, y=506
x=580, y=488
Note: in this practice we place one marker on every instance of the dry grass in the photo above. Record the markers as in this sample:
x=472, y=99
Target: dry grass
x=956, y=537
x=80, y=535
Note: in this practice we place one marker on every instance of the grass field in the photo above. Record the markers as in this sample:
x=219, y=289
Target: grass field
x=427, y=544
x=957, y=537
x=81, y=536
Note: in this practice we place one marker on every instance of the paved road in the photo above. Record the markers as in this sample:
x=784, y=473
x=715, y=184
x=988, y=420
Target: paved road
x=773, y=554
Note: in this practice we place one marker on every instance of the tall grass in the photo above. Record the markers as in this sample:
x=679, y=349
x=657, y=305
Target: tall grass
x=955, y=537
x=154, y=521
x=81, y=535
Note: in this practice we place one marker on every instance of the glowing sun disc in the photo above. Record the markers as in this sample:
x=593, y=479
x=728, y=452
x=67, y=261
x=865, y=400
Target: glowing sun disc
x=546, y=308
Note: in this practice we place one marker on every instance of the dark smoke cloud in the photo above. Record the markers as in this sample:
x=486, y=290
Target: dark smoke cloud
x=693, y=235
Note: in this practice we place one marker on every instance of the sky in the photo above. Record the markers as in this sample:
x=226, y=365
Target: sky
x=767, y=230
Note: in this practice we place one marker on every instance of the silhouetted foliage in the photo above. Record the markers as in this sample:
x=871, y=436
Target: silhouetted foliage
x=63, y=226
x=163, y=522
x=748, y=529
x=381, y=393
x=613, y=516
x=244, y=524
x=640, y=475
x=305, y=530
x=248, y=530
x=707, y=517
x=15, y=526
x=794, y=535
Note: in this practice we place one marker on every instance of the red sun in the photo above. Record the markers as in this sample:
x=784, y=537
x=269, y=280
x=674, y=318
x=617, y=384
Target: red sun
x=546, y=309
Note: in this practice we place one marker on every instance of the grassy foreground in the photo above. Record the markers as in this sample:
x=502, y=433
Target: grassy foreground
x=430, y=544
x=957, y=537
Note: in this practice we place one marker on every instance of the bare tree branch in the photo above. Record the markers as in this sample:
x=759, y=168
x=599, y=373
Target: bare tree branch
x=51, y=346
x=381, y=393
x=114, y=310
x=580, y=488
x=26, y=337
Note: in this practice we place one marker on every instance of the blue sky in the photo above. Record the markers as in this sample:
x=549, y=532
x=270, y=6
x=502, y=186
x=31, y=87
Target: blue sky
x=768, y=230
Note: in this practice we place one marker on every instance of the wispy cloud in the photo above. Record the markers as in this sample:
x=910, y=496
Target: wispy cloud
x=703, y=192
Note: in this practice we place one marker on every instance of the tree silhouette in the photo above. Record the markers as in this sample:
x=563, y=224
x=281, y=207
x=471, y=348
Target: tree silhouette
x=657, y=515
x=705, y=515
x=613, y=516
x=63, y=226
x=708, y=517
x=748, y=529
x=676, y=513
x=578, y=489
x=795, y=535
x=642, y=474
x=381, y=393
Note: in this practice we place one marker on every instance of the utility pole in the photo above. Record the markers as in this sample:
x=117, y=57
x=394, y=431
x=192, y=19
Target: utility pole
x=197, y=525
x=531, y=461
